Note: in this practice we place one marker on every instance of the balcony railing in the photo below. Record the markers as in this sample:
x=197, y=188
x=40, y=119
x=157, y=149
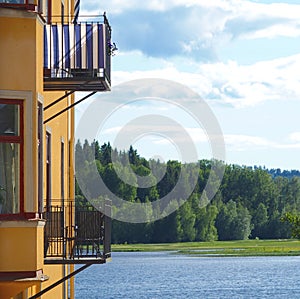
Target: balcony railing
x=77, y=234
x=77, y=56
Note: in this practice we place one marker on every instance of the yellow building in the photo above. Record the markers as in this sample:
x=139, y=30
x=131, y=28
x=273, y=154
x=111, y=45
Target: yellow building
x=45, y=56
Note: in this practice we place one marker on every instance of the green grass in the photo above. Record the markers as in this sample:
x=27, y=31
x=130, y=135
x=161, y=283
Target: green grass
x=220, y=248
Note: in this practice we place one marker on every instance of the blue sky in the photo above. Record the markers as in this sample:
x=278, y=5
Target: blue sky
x=241, y=57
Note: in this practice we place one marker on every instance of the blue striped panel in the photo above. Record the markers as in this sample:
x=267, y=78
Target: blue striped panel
x=67, y=58
x=89, y=46
x=95, y=46
x=77, y=46
x=46, y=49
x=60, y=47
x=72, y=45
x=100, y=48
x=83, y=45
x=55, y=46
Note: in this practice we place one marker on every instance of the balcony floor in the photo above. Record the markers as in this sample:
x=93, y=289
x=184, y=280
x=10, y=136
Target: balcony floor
x=86, y=260
x=76, y=84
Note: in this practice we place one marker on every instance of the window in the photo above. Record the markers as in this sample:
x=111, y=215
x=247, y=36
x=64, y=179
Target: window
x=19, y=4
x=11, y=157
x=48, y=171
x=62, y=169
x=44, y=8
x=40, y=158
x=13, y=1
x=48, y=12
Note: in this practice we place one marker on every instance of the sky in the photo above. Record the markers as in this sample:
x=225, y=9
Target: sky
x=241, y=57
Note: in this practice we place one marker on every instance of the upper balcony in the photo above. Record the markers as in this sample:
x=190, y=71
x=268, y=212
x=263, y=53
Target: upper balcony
x=77, y=234
x=77, y=57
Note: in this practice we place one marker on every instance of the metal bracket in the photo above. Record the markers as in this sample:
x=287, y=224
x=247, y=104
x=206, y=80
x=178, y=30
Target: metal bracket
x=67, y=108
x=58, y=100
x=59, y=282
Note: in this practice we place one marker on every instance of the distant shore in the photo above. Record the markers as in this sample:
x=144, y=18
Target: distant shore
x=220, y=248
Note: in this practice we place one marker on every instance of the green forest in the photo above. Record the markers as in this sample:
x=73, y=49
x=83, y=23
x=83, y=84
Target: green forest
x=251, y=202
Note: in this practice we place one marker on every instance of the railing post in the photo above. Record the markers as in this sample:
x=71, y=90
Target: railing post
x=107, y=228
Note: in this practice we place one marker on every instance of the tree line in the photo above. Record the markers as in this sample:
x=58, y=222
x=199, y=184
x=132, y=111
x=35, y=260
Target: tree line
x=251, y=202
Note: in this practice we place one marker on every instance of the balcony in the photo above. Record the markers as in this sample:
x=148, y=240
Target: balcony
x=77, y=234
x=77, y=57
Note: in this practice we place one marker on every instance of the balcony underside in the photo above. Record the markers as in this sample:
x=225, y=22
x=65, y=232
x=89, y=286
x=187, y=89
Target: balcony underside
x=53, y=261
x=86, y=81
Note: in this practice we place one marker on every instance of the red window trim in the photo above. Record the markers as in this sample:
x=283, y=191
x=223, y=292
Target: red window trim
x=49, y=11
x=19, y=140
x=23, y=6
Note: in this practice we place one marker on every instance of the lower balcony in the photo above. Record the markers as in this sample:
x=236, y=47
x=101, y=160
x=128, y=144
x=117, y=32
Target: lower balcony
x=77, y=234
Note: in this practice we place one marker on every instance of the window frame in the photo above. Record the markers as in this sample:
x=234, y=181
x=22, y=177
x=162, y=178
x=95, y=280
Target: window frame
x=48, y=179
x=25, y=5
x=19, y=139
x=40, y=136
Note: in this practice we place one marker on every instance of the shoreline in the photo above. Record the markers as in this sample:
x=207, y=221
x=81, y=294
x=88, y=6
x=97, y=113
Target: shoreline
x=241, y=248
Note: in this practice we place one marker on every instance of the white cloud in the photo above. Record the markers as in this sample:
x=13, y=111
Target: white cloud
x=244, y=143
x=192, y=27
x=249, y=85
x=195, y=27
x=112, y=130
x=196, y=81
x=184, y=40
x=294, y=137
x=120, y=6
x=231, y=83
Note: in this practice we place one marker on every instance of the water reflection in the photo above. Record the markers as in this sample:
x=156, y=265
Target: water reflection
x=164, y=275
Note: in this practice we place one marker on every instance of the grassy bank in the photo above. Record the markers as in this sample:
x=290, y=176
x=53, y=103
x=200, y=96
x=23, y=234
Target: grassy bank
x=221, y=248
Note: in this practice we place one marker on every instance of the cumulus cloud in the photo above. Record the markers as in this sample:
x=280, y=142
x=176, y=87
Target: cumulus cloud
x=249, y=85
x=161, y=34
x=242, y=143
x=294, y=137
x=237, y=142
x=189, y=27
x=230, y=83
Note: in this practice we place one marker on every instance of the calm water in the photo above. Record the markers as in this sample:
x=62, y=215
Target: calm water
x=164, y=275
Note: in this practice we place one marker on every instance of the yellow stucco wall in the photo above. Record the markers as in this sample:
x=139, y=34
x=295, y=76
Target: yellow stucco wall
x=21, y=60
x=21, y=246
x=55, y=273
x=18, y=49
x=9, y=290
x=58, y=128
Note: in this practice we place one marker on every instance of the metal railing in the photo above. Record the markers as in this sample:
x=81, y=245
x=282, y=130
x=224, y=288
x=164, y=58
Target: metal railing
x=76, y=233
x=78, y=56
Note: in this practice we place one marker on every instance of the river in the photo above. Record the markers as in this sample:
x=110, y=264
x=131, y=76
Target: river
x=140, y=275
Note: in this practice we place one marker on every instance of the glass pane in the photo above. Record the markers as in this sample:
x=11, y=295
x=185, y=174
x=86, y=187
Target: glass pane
x=9, y=120
x=13, y=1
x=9, y=178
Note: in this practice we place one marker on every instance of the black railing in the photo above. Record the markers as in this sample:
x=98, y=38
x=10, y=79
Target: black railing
x=78, y=56
x=75, y=234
